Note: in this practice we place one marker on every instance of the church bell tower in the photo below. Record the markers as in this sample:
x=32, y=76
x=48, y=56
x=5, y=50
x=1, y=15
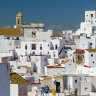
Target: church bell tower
x=19, y=20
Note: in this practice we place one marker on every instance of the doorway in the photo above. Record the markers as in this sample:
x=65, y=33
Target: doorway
x=57, y=87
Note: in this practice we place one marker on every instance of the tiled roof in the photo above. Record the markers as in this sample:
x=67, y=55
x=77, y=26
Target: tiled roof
x=11, y=31
x=91, y=50
x=65, y=61
x=55, y=76
x=17, y=79
x=26, y=67
x=36, y=83
x=79, y=51
x=57, y=35
x=54, y=67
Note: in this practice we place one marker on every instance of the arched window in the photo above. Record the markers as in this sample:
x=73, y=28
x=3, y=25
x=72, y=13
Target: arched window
x=18, y=21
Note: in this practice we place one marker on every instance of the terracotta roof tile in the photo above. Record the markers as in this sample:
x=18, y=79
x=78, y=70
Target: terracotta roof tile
x=91, y=50
x=54, y=67
x=27, y=67
x=79, y=51
x=11, y=31
x=57, y=35
x=15, y=78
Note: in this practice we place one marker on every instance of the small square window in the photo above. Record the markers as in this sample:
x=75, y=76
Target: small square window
x=65, y=52
x=33, y=53
x=40, y=48
x=33, y=46
x=91, y=15
x=86, y=89
x=25, y=47
x=75, y=81
x=90, y=43
x=91, y=55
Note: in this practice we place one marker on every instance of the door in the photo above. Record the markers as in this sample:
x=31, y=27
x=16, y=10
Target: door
x=57, y=87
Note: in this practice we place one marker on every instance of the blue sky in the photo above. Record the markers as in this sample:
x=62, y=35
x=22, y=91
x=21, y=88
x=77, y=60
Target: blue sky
x=59, y=12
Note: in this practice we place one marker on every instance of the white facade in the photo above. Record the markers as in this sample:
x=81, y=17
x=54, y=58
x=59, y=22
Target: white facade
x=80, y=84
x=53, y=47
x=87, y=43
x=90, y=58
x=68, y=34
x=89, y=25
x=18, y=90
x=36, y=32
x=35, y=62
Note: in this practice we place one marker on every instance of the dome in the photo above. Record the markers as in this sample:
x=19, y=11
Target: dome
x=19, y=14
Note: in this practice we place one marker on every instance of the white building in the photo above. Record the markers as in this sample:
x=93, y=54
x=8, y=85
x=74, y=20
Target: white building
x=35, y=63
x=53, y=47
x=18, y=85
x=89, y=25
x=87, y=42
x=79, y=83
x=90, y=55
x=68, y=34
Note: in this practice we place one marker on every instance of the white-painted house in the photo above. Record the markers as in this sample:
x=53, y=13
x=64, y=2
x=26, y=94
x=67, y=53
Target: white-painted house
x=68, y=34
x=89, y=25
x=18, y=85
x=54, y=47
x=80, y=84
x=90, y=55
x=87, y=42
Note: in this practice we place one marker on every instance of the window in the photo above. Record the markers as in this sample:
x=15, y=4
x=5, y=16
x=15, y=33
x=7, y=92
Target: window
x=18, y=67
x=18, y=21
x=25, y=47
x=45, y=59
x=65, y=52
x=91, y=15
x=90, y=43
x=8, y=38
x=86, y=88
x=40, y=47
x=33, y=46
x=33, y=53
x=56, y=47
x=17, y=38
x=91, y=55
x=75, y=81
x=10, y=44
